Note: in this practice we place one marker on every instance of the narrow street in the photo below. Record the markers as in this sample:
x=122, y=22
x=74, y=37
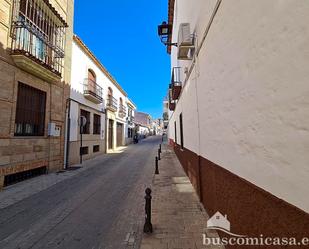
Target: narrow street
x=101, y=207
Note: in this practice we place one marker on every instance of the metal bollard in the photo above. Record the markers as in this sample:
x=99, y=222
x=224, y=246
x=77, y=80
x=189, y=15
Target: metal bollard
x=160, y=148
x=159, y=158
x=157, y=166
x=148, y=225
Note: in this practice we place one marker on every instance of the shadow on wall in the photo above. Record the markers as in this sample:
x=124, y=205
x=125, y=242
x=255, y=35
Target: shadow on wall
x=4, y=52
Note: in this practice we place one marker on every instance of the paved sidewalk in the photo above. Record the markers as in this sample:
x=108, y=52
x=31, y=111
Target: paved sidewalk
x=19, y=191
x=178, y=218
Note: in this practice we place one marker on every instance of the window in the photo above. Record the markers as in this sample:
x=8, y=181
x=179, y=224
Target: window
x=175, y=126
x=96, y=124
x=91, y=81
x=181, y=130
x=96, y=148
x=86, y=128
x=84, y=150
x=130, y=132
x=38, y=31
x=30, y=111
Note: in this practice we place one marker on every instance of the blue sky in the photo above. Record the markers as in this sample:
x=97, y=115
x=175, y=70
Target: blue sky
x=123, y=36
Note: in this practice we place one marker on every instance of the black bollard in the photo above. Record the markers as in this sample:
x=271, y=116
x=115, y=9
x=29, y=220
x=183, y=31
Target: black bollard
x=160, y=148
x=157, y=166
x=159, y=158
x=148, y=225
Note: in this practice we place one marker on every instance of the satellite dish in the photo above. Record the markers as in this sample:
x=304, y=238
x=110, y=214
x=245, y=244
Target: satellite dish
x=83, y=121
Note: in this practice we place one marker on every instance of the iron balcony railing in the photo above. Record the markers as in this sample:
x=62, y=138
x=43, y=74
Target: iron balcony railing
x=38, y=33
x=92, y=88
x=112, y=102
x=122, y=109
x=176, y=76
x=165, y=115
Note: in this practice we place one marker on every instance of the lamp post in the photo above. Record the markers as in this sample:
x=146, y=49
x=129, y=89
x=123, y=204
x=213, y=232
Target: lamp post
x=165, y=32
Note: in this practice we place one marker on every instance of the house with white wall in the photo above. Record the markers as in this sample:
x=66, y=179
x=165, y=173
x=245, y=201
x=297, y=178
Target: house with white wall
x=98, y=97
x=239, y=109
x=130, y=129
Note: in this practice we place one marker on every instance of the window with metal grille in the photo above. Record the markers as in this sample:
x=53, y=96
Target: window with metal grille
x=96, y=124
x=30, y=111
x=38, y=31
x=85, y=129
x=84, y=150
x=96, y=148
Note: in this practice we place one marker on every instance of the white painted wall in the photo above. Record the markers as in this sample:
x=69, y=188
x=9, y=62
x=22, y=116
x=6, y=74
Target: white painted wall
x=81, y=62
x=248, y=95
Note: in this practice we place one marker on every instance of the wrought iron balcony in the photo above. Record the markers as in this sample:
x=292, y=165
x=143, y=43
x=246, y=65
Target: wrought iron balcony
x=165, y=116
x=122, y=110
x=93, y=91
x=176, y=83
x=171, y=102
x=38, y=38
x=112, y=103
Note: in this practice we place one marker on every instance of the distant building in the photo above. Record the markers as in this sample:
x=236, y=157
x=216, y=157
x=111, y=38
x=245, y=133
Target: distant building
x=130, y=125
x=98, y=97
x=165, y=115
x=143, y=123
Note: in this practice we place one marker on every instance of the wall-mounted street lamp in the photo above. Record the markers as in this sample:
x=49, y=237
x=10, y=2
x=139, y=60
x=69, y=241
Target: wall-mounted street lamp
x=165, y=32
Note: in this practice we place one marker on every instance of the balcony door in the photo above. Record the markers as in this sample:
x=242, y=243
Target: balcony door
x=91, y=81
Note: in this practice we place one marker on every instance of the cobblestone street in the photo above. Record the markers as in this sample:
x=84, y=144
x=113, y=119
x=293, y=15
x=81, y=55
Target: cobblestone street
x=100, y=205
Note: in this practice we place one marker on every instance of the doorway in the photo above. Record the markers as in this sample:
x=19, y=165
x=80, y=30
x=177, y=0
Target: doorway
x=119, y=134
x=110, y=133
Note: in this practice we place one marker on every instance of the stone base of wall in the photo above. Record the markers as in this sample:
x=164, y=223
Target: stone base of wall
x=74, y=157
x=12, y=169
x=251, y=210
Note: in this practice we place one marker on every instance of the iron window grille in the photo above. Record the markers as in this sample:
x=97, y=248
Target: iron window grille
x=38, y=32
x=96, y=148
x=86, y=128
x=30, y=111
x=92, y=88
x=96, y=124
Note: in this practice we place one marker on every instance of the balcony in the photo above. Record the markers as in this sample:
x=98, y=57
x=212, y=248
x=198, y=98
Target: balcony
x=176, y=84
x=38, y=39
x=122, y=111
x=171, y=102
x=165, y=116
x=92, y=91
x=112, y=104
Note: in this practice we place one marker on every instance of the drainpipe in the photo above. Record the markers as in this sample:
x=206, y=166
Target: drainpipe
x=67, y=139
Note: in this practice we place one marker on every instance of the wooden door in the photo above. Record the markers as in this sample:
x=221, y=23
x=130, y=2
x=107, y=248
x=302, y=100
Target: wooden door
x=110, y=133
x=119, y=134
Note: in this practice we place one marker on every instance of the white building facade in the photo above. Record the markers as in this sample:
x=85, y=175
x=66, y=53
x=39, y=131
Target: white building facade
x=130, y=129
x=239, y=109
x=97, y=96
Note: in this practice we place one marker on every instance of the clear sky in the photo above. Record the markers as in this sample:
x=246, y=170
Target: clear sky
x=123, y=36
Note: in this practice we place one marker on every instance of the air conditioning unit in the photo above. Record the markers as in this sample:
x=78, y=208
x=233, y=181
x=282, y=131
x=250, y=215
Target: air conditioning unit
x=185, y=42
